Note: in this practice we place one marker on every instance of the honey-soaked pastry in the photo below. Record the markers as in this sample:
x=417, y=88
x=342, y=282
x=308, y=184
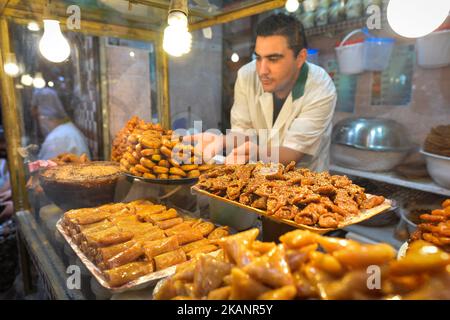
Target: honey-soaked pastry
x=149, y=152
x=219, y=233
x=189, y=167
x=163, y=176
x=128, y=255
x=205, y=228
x=166, y=151
x=164, y=163
x=195, y=245
x=169, y=223
x=208, y=275
x=133, y=171
x=169, y=259
x=175, y=177
x=160, y=170
x=150, y=143
x=284, y=293
x=142, y=169
x=128, y=272
x=271, y=269
x=245, y=287
x=220, y=293
x=149, y=176
x=108, y=237
x=201, y=250
x=188, y=236
x=106, y=253
x=194, y=174
x=177, y=171
x=149, y=164
x=156, y=158
x=147, y=211
x=185, y=226
x=166, y=215
x=157, y=247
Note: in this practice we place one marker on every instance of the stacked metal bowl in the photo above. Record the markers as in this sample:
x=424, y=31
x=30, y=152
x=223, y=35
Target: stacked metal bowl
x=369, y=144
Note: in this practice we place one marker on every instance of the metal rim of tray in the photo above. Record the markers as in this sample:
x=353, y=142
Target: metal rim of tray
x=365, y=214
x=183, y=181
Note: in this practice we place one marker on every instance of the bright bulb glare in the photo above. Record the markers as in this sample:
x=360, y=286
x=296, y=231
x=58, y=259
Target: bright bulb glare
x=235, y=57
x=177, y=41
x=26, y=80
x=11, y=69
x=177, y=19
x=51, y=84
x=38, y=81
x=416, y=18
x=132, y=54
x=53, y=46
x=292, y=5
x=33, y=26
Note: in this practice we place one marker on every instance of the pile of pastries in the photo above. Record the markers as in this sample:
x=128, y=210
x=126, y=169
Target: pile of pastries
x=306, y=265
x=435, y=227
x=286, y=192
x=146, y=150
x=438, y=141
x=129, y=240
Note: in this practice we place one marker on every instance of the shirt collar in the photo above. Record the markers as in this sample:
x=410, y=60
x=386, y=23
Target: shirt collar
x=299, y=87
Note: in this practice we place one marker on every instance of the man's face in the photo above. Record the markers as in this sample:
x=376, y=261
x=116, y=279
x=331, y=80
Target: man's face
x=276, y=64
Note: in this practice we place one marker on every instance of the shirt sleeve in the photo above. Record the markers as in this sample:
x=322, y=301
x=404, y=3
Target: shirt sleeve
x=306, y=131
x=240, y=114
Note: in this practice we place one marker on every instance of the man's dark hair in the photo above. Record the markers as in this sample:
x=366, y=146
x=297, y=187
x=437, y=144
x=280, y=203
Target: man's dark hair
x=287, y=26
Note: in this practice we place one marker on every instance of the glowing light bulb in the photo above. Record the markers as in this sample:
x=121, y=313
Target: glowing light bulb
x=416, y=18
x=33, y=26
x=51, y=84
x=177, y=19
x=292, y=5
x=132, y=54
x=235, y=57
x=177, y=40
x=53, y=45
x=38, y=81
x=11, y=68
x=26, y=80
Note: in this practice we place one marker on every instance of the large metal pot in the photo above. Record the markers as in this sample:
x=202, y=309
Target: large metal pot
x=370, y=144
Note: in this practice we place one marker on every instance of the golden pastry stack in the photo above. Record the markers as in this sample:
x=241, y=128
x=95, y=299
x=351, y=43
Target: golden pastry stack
x=154, y=153
x=438, y=141
x=309, y=266
x=435, y=227
x=130, y=240
x=120, y=143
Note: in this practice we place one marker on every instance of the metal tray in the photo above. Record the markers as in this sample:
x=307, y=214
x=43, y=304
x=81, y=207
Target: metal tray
x=140, y=283
x=364, y=214
x=183, y=181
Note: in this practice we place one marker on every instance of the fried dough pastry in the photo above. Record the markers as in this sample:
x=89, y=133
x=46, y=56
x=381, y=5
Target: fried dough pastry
x=318, y=200
x=309, y=266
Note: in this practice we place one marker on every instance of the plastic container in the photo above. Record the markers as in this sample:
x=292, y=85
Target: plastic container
x=350, y=55
x=313, y=56
x=377, y=53
x=433, y=50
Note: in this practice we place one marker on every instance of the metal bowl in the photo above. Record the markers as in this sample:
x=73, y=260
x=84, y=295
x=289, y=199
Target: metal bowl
x=373, y=134
x=439, y=168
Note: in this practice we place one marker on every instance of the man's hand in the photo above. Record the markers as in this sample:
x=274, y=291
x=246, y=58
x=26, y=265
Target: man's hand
x=243, y=154
x=206, y=144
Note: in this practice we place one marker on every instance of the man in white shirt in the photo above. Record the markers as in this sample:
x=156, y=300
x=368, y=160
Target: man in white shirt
x=282, y=93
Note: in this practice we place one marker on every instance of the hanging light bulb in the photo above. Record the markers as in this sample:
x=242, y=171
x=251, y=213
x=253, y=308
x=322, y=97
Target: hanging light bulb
x=11, y=68
x=33, y=26
x=53, y=45
x=292, y=5
x=26, y=80
x=177, y=39
x=416, y=18
x=235, y=57
x=38, y=81
x=51, y=84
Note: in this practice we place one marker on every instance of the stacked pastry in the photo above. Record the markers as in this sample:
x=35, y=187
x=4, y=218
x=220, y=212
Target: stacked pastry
x=154, y=153
x=308, y=198
x=438, y=141
x=435, y=227
x=309, y=266
x=129, y=240
x=120, y=143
